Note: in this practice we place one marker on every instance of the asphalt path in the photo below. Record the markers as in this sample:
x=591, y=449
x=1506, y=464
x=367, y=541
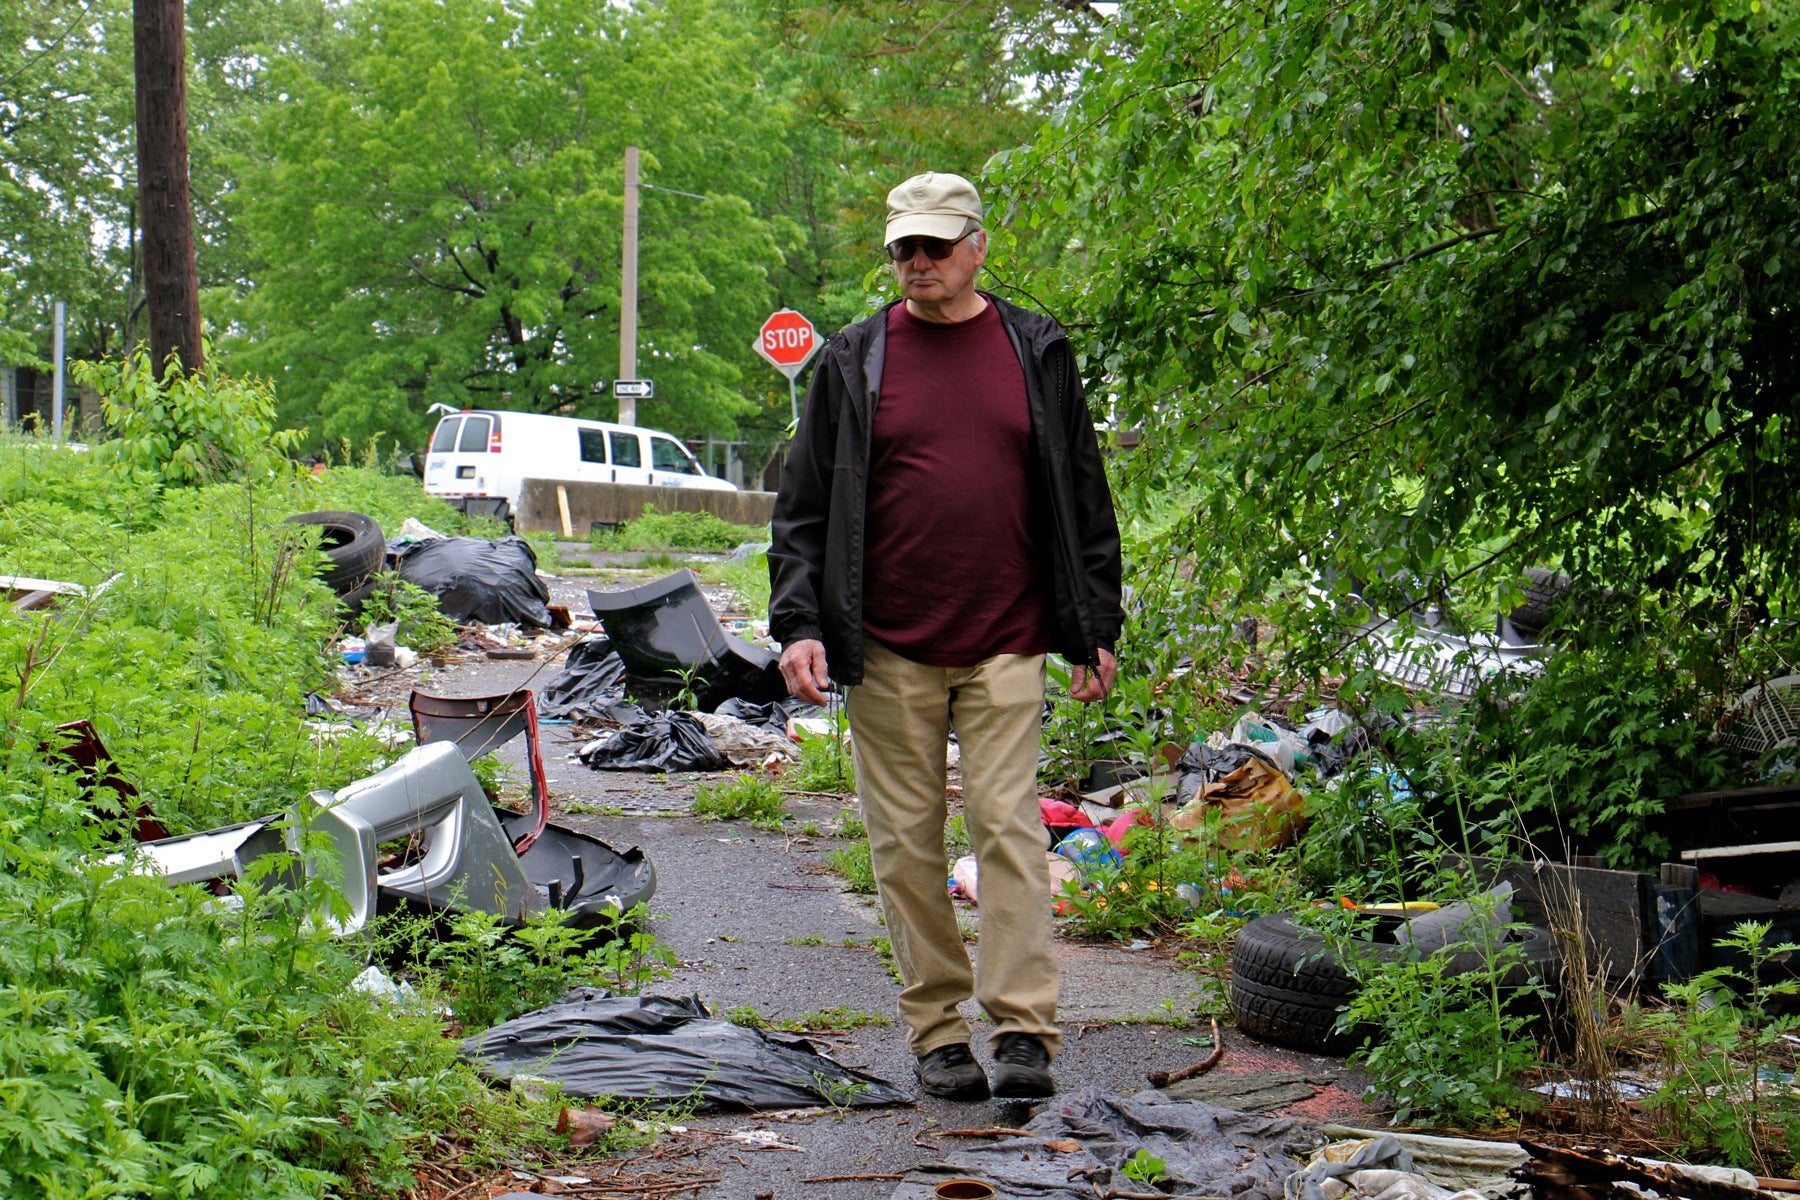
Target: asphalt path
x=756, y=919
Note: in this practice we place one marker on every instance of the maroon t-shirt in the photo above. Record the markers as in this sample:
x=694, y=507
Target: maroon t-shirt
x=954, y=565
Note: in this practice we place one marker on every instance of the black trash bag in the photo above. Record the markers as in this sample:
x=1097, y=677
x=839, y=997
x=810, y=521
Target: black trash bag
x=477, y=580
x=669, y=1053
x=669, y=741
x=1342, y=750
x=773, y=715
x=593, y=674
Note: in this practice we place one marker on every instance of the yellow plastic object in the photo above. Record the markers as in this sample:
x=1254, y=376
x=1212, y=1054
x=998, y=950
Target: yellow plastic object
x=1403, y=908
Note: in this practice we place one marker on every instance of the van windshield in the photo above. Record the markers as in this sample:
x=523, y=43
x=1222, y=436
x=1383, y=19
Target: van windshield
x=444, y=440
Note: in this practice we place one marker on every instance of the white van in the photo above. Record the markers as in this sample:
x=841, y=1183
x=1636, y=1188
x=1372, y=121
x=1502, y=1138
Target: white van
x=480, y=454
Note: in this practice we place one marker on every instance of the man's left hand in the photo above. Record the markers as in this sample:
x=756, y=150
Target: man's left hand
x=1088, y=684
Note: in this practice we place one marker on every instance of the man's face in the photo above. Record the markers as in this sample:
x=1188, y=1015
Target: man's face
x=932, y=282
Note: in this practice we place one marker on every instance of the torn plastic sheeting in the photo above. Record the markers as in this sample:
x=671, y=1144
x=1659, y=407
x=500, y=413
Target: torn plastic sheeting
x=591, y=682
x=1206, y=1151
x=477, y=580
x=669, y=1053
x=666, y=630
x=669, y=741
x=1379, y=1168
x=775, y=714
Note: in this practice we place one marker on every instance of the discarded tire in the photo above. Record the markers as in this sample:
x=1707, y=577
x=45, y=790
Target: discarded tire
x=1287, y=985
x=352, y=542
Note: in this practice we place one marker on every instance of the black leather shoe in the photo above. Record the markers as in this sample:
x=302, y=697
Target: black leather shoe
x=1022, y=1066
x=951, y=1072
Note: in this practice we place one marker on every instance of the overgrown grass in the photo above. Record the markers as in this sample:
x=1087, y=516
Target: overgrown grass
x=855, y=865
x=166, y=1041
x=749, y=796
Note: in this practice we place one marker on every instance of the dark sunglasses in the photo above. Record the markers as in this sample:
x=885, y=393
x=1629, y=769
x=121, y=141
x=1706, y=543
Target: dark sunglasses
x=936, y=249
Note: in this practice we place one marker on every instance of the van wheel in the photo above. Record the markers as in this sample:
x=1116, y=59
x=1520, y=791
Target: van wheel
x=352, y=542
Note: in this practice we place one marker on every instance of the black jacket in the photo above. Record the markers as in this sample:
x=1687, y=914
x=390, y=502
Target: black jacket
x=816, y=559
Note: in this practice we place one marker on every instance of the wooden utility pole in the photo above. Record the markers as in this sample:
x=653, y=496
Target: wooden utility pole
x=628, y=288
x=171, y=285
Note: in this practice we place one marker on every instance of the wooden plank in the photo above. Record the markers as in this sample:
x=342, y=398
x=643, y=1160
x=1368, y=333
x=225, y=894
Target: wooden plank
x=562, y=507
x=1614, y=909
x=1753, y=850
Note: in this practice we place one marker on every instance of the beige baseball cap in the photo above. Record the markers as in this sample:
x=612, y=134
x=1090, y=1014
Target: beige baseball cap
x=932, y=205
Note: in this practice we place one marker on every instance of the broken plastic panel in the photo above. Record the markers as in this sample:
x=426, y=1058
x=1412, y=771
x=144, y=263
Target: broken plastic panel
x=481, y=724
x=467, y=859
x=667, y=631
x=224, y=853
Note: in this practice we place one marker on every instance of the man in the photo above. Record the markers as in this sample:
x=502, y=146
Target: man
x=943, y=522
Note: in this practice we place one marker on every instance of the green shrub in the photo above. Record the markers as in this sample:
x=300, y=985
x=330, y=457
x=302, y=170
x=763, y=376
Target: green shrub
x=423, y=625
x=825, y=764
x=185, y=430
x=491, y=971
x=1724, y=1041
x=678, y=531
x=748, y=797
x=1444, y=1047
x=1589, y=747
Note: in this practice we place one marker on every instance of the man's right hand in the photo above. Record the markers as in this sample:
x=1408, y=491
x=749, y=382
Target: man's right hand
x=803, y=667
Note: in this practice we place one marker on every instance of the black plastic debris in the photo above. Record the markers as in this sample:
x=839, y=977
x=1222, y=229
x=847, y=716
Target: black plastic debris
x=773, y=715
x=668, y=741
x=669, y=1052
x=1205, y=1151
x=667, y=631
x=476, y=580
x=591, y=684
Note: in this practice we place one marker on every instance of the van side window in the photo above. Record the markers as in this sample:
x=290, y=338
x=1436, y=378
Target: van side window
x=593, y=445
x=474, y=435
x=668, y=455
x=625, y=450
x=444, y=440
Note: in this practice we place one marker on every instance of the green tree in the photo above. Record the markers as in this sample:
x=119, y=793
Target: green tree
x=442, y=222
x=1428, y=293
x=881, y=91
x=68, y=171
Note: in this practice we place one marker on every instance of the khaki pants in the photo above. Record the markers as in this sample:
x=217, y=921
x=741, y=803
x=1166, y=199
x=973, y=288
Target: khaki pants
x=899, y=717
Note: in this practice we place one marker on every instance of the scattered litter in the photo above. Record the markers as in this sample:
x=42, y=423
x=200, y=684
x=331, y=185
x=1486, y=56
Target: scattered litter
x=1377, y=1168
x=1260, y=806
x=1623, y=1085
x=670, y=1053
x=24, y=594
x=765, y=1139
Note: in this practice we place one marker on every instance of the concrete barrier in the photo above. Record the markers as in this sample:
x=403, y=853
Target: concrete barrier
x=593, y=504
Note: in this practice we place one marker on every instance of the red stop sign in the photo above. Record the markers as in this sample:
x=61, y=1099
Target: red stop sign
x=787, y=339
